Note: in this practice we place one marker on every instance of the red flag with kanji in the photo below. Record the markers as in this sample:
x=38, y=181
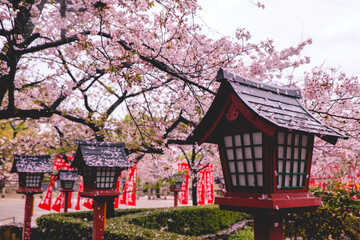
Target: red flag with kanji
x=57, y=203
x=131, y=201
x=45, y=202
x=209, y=182
x=88, y=203
x=184, y=194
x=81, y=188
x=201, y=188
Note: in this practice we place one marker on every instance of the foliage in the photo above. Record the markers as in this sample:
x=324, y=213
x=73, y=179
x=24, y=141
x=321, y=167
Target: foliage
x=139, y=223
x=191, y=221
x=140, y=71
x=244, y=234
x=338, y=218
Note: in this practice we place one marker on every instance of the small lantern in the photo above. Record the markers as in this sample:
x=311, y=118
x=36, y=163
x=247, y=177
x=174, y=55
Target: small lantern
x=176, y=181
x=100, y=164
x=67, y=179
x=31, y=171
x=265, y=139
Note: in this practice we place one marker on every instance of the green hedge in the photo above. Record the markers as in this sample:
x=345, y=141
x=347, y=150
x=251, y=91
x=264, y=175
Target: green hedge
x=136, y=224
x=192, y=221
x=325, y=223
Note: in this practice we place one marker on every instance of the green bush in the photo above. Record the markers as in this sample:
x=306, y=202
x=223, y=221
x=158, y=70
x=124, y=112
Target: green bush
x=166, y=223
x=192, y=221
x=338, y=218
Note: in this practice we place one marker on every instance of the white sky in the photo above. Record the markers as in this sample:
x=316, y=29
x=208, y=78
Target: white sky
x=334, y=26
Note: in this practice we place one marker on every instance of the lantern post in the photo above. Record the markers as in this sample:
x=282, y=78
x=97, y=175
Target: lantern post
x=175, y=186
x=100, y=164
x=265, y=139
x=67, y=180
x=31, y=169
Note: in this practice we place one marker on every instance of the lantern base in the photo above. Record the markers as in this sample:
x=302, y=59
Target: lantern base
x=277, y=202
x=99, y=193
x=23, y=190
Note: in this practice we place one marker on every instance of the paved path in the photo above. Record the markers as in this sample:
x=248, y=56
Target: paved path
x=12, y=207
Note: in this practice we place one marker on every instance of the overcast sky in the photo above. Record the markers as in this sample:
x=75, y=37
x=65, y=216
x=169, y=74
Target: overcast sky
x=334, y=26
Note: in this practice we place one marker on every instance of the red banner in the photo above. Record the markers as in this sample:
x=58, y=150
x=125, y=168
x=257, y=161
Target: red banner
x=201, y=188
x=128, y=195
x=81, y=188
x=131, y=199
x=209, y=181
x=184, y=194
x=116, y=200
x=57, y=203
x=88, y=203
x=45, y=202
x=124, y=195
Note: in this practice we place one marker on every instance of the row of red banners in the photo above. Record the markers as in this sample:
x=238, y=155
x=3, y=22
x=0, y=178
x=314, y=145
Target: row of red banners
x=128, y=196
x=205, y=182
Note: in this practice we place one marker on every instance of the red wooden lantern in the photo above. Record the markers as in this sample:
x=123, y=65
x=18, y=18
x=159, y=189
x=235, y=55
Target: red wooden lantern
x=100, y=164
x=67, y=179
x=31, y=171
x=175, y=186
x=265, y=138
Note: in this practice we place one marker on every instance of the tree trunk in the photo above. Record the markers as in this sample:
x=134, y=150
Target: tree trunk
x=110, y=210
x=194, y=192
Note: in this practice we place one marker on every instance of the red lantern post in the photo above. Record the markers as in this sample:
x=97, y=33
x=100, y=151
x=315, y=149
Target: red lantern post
x=175, y=186
x=265, y=139
x=67, y=180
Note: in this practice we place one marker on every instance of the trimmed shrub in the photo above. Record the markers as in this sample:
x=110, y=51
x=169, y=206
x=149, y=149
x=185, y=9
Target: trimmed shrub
x=138, y=224
x=192, y=221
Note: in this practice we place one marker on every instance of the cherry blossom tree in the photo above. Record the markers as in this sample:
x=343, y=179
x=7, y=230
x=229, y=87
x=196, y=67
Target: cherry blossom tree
x=140, y=71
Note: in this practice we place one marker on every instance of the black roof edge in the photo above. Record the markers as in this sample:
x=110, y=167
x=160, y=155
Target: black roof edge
x=225, y=76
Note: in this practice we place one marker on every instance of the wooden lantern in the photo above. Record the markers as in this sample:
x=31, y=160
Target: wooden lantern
x=265, y=139
x=67, y=179
x=100, y=164
x=31, y=169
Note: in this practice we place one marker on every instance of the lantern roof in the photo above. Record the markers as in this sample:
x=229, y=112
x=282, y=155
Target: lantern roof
x=31, y=164
x=68, y=175
x=277, y=107
x=100, y=154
